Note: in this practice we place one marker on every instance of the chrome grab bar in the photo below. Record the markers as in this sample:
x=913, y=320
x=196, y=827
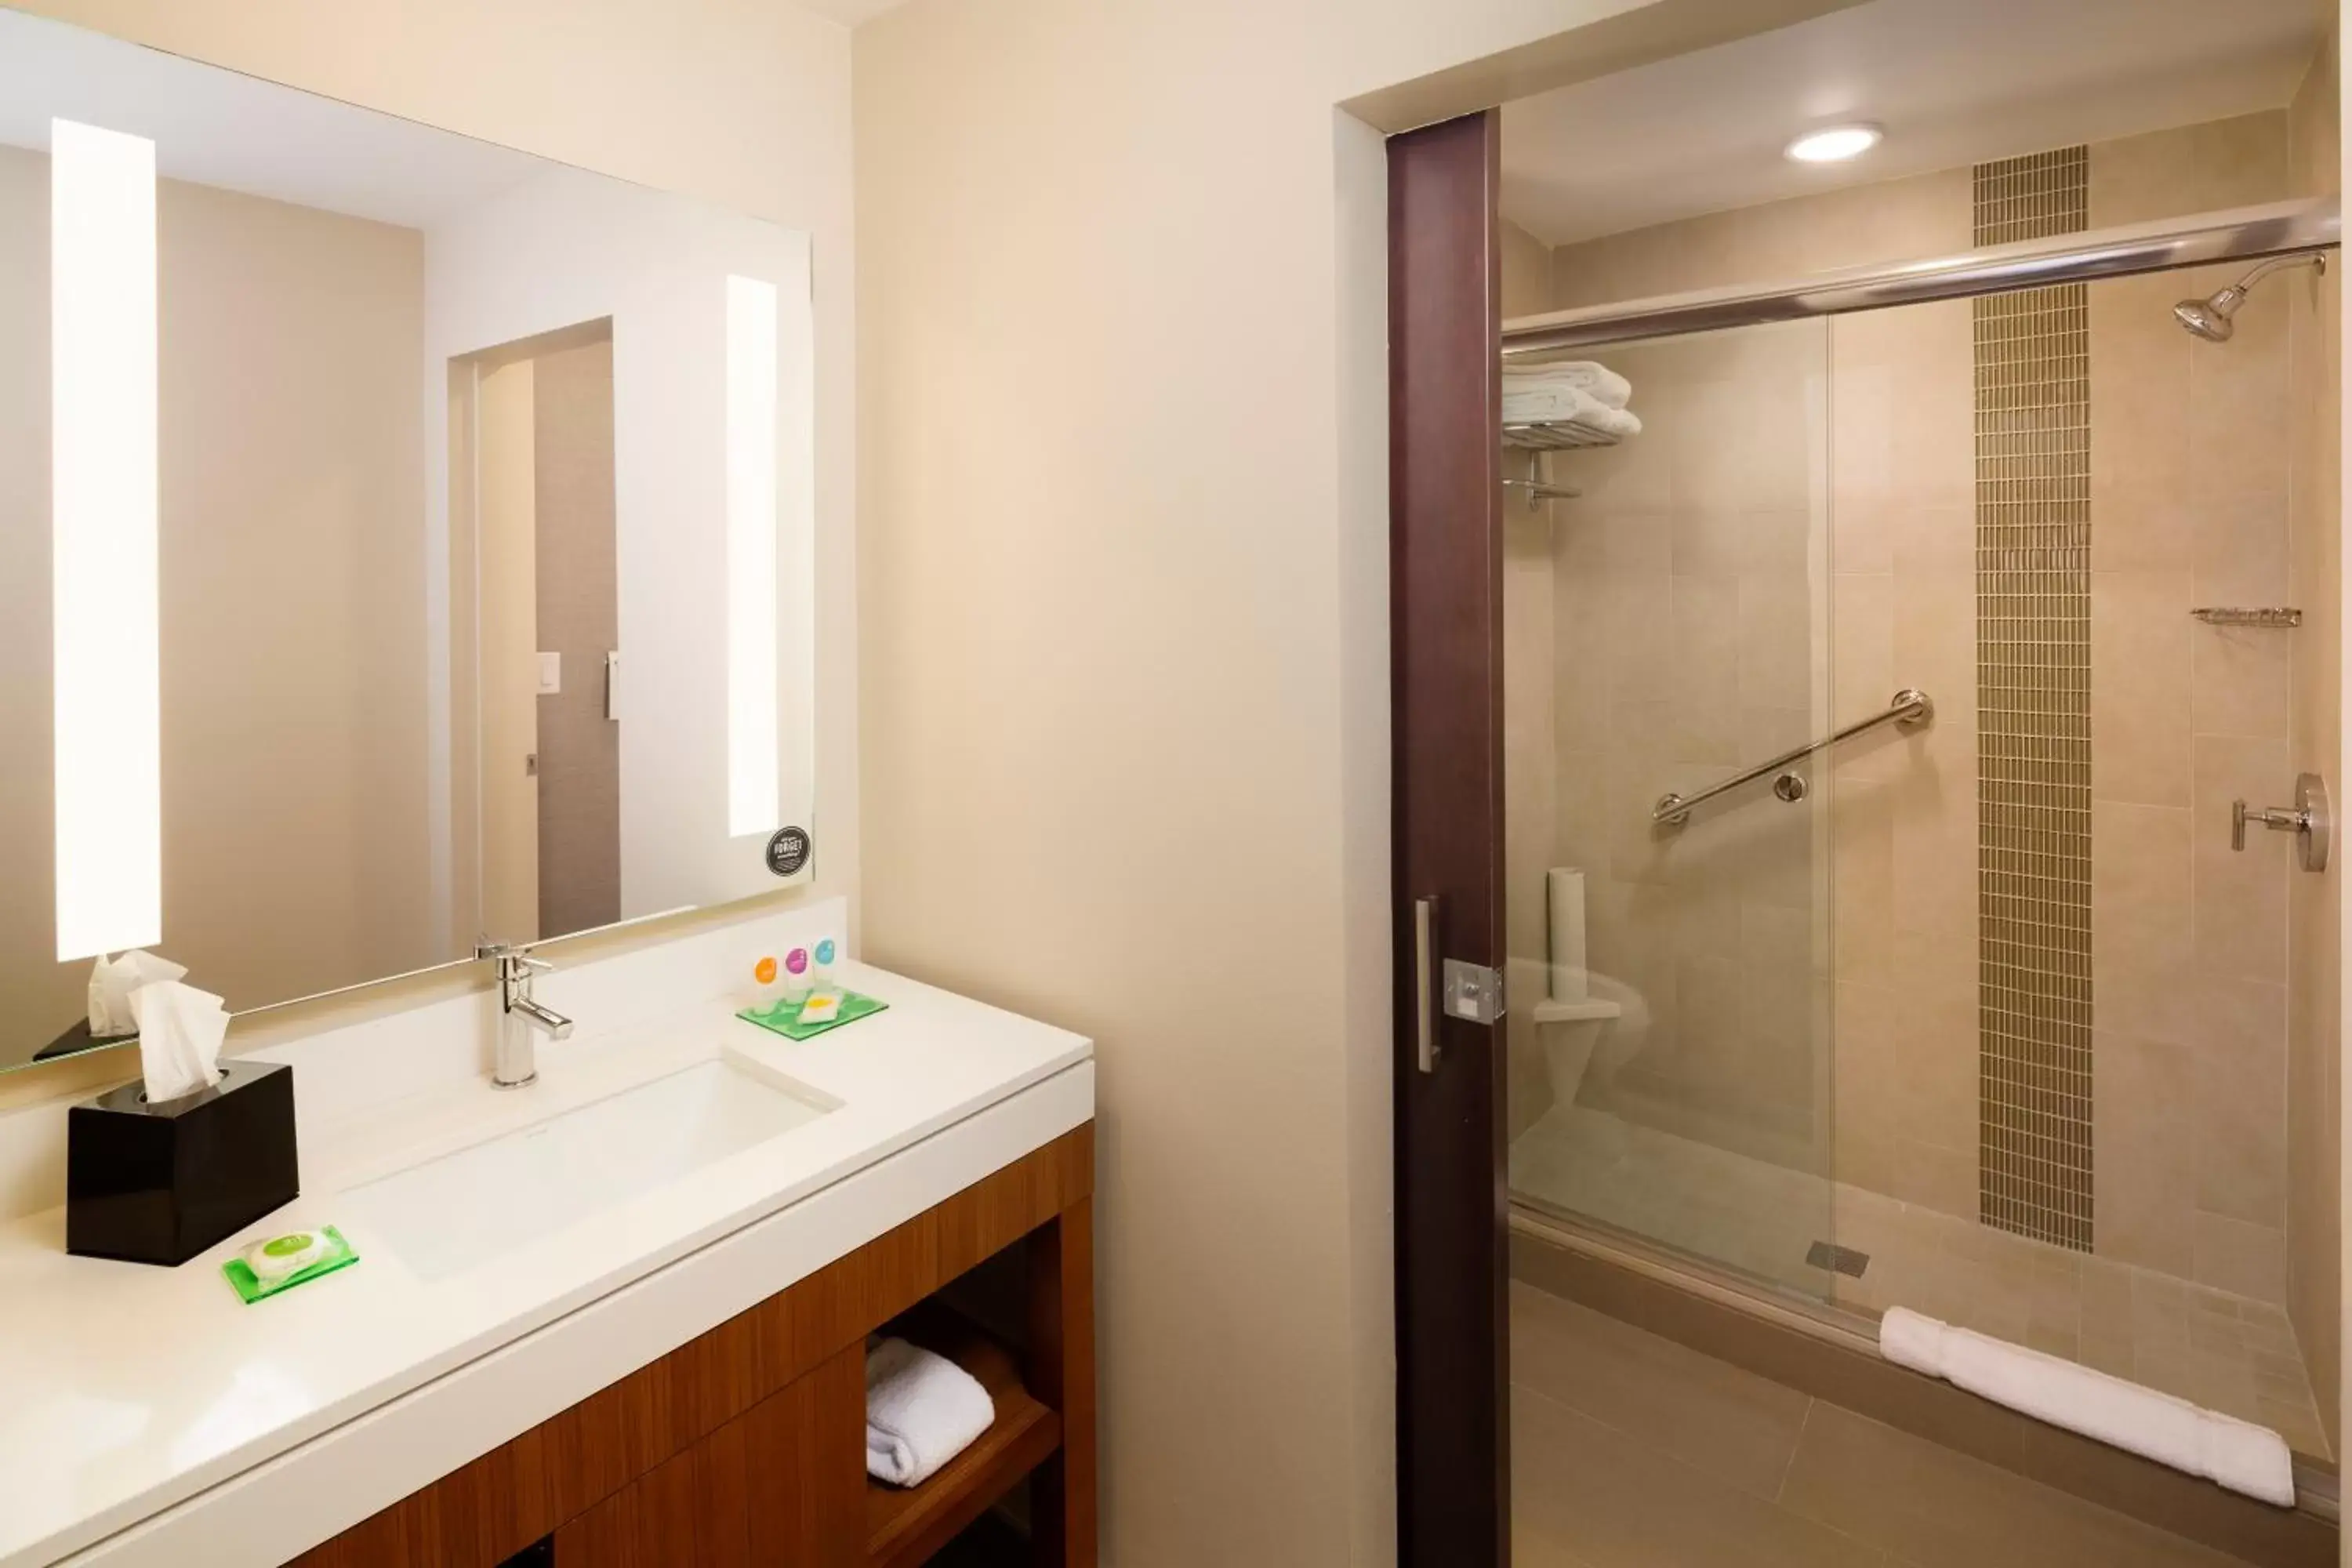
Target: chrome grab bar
x=1911, y=709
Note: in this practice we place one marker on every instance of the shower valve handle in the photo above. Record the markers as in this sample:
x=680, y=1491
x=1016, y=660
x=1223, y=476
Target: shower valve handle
x=2278, y=819
x=2309, y=820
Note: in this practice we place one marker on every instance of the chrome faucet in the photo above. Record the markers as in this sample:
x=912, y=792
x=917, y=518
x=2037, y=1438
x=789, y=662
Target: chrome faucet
x=521, y=1017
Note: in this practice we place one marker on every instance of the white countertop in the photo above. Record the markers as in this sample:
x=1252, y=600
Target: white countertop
x=128, y=1389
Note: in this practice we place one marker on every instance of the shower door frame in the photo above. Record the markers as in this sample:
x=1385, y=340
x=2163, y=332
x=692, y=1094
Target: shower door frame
x=1445, y=532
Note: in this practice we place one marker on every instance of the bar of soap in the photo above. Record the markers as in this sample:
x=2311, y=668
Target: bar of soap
x=279, y=1255
x=821, y=1008
x=290, y=1258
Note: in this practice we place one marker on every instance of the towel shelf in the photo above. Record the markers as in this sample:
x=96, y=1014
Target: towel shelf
x=1535, y=485
x=904, y=1526
x=1556, y=436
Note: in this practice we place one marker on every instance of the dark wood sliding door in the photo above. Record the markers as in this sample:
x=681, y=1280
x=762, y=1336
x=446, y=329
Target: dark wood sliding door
x=1446, y=610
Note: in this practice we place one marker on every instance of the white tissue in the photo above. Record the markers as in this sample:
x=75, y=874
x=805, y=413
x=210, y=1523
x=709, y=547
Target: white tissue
x=180, y=1034
x=111, y=982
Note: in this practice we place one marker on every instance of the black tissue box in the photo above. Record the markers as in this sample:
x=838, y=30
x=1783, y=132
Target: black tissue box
x=159, y=1184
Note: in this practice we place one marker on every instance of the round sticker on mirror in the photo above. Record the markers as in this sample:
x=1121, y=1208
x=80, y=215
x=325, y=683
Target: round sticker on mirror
x=788, y=851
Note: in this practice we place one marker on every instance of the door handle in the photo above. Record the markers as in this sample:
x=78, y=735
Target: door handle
x=1424, y=989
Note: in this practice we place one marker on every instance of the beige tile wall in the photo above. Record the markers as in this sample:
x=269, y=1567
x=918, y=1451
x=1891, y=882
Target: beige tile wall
x=1887, y=458
x=1851, y=228
x=2315, y=740
x=1686, y=596
x=2190, y=506
x=1906, y=903
x=1678, y=580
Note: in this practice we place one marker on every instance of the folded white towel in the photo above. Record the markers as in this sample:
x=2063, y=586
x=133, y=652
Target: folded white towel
x=921, y=1410
x=1566, y=405
x=2236, y=1454
x=1600, y=383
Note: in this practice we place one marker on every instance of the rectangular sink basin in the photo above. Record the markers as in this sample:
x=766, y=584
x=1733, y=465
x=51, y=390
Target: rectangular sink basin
x=449, y=1214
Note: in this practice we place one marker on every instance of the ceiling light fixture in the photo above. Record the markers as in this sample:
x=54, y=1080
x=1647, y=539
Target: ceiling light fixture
x=1834, y=144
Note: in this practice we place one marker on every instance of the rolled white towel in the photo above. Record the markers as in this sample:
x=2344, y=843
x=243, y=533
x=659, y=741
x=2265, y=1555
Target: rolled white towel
x=1598, y=382
x=1913, y=1339
x=2235, y=1453
x=921, y=1410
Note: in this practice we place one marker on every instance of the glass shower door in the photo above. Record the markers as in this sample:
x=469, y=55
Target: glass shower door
x=1666, y=630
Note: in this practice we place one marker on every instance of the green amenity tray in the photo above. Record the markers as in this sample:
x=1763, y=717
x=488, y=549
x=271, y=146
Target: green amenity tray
x=784, y=1017
x=341, y=1254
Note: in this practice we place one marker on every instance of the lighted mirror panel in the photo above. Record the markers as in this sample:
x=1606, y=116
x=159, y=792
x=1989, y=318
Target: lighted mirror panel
x=405, y=543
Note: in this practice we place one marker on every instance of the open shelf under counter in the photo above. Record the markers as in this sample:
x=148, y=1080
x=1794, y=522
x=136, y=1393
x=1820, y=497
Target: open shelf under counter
x=906, y=1525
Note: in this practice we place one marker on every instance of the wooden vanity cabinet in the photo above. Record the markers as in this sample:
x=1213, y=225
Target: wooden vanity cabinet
x=746, y=1446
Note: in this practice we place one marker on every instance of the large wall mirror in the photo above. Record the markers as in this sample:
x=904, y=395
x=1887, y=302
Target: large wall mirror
x=406, y=543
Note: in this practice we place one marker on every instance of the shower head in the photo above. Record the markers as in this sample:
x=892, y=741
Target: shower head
x=2211, y=317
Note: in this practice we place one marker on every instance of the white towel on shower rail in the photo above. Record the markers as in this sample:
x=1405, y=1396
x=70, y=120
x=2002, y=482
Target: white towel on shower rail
x=1604, y=385
x=2236, y=1454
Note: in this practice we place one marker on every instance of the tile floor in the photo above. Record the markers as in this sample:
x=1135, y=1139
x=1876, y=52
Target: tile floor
x=1631, y=1451
x=2227, y=1352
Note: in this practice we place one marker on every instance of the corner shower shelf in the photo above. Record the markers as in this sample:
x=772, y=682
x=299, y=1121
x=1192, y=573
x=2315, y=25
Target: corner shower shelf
x=2216, y=616
x=1556, y=436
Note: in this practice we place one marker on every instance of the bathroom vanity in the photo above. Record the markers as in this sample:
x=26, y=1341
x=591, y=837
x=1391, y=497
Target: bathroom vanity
x=624, y=1308
x=745, y=1445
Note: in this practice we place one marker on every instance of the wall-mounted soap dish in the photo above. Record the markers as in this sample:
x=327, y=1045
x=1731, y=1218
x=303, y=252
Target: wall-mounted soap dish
x=2216, y=616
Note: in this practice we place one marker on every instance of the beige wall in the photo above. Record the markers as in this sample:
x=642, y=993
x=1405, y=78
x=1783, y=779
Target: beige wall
x=1126, y=663
x=746, y=105
x=294, y=825
x=2315, y=905
x=294, y=799
x=1527, y=273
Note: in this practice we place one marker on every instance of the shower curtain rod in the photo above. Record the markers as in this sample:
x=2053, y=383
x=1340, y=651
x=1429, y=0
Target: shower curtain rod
x=2244, y=234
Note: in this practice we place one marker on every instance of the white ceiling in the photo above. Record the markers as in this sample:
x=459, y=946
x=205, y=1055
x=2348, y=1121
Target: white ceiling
x=213, y=126
x=1953, y=81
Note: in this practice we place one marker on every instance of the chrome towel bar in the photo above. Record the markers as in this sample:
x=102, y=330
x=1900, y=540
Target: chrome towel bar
x=1911, y=710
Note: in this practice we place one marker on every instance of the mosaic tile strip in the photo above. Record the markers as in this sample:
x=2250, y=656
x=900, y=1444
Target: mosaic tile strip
x=2033, y=723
